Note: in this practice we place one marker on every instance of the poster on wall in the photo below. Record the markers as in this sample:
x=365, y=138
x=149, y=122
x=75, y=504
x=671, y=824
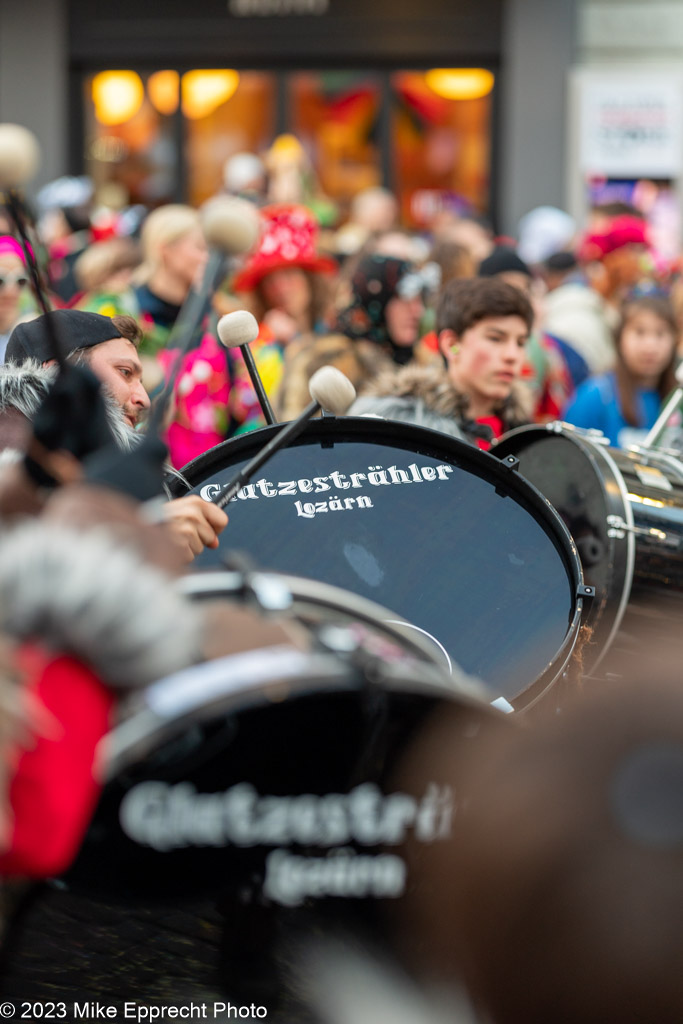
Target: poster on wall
x=630, y=126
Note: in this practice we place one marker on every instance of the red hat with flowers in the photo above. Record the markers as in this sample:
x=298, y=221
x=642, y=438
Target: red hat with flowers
x=288, y=239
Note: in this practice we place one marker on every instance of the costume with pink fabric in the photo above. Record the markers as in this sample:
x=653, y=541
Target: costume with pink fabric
x=214, y=395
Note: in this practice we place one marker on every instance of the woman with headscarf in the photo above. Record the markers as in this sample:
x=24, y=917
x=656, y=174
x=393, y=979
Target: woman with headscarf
x=377, y=330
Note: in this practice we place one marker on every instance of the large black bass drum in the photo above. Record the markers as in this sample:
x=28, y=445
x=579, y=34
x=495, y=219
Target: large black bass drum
x=448, y=537
x=624, y=509
x=253, y=805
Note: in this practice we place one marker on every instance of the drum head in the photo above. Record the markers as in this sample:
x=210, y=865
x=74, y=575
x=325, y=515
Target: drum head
x=445, y=535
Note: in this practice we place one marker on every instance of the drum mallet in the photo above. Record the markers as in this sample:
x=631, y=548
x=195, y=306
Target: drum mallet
x=238, y=330
x=329, y=390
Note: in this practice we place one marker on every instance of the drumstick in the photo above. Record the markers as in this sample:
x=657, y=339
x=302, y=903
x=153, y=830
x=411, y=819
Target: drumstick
x=19, y=161
x=667, y=411
x=330, y=390
x=237, y=330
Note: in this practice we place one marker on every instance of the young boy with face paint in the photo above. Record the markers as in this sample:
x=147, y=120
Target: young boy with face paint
x=482, y=325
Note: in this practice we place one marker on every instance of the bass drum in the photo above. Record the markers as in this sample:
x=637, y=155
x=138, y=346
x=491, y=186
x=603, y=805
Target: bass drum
x=252, y=804
x=624, y=509
x=449, y=537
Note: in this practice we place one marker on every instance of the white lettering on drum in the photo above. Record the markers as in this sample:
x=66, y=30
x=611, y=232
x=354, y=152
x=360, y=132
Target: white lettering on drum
x=374, y=476
x=277, y=8
x=171, y=817
x=167, y=817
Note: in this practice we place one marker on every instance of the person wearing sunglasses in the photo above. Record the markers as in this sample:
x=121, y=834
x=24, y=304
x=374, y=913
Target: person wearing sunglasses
x=14, y=284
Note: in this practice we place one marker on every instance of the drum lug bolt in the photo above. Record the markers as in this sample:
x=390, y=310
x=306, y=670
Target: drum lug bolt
x=510, y=462
x=586, y=592
x=617, y=527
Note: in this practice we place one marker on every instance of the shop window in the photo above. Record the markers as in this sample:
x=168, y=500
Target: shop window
x=130, y=150
x=441, y=131
x=165, y=135
x=231, y=113
x=335, y=116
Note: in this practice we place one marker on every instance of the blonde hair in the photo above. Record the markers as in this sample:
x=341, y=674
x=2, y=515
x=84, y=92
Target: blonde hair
x=163, y=226
x=102, y=259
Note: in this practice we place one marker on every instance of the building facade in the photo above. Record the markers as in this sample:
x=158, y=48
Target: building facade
x=355, y=83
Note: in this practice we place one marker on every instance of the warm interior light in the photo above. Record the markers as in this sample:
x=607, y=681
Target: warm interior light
x=117, y=96
x=460, y=83
x=205, y=91
x=163, y=89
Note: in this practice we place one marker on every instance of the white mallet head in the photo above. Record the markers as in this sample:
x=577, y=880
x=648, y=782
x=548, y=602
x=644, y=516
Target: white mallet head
x=331, y=390
x=230, y=224
x=237, y=329
x=19, y=155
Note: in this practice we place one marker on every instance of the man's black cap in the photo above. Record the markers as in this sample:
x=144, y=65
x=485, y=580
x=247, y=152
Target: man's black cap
x=74, y=329
x=503, y=259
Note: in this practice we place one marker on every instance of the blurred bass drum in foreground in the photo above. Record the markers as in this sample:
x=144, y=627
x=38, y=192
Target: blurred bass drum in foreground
x=254, y=803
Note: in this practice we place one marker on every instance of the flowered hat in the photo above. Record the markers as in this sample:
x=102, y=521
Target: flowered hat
x=288, y=239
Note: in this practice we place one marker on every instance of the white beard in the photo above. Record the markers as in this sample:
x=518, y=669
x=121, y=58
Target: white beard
x=125, y=437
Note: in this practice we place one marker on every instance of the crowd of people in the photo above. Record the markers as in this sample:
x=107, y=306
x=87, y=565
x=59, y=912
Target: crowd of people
x=452, y=328
x=600, y=348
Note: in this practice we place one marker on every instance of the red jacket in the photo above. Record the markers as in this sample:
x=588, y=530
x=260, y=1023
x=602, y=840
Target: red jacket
x=53, y=792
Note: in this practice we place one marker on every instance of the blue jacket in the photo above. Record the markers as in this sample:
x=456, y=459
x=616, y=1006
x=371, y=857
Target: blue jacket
x=596, y=405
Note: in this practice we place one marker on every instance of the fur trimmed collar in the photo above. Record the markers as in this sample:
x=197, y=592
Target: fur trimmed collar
x=434, y=388
x=24, y=387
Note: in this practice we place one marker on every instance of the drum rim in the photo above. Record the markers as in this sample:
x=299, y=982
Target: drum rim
x=622, y=558
x=199, y=585
x=148, y=726
x=434, y=444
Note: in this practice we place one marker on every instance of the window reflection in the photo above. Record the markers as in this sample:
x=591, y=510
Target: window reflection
x=441, y=146
x=129, y=142
x=166, y=135
x=242, y=121
x=335, y=115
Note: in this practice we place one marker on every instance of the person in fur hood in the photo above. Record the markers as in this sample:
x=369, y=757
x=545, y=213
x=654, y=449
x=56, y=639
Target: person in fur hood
x=483, y=325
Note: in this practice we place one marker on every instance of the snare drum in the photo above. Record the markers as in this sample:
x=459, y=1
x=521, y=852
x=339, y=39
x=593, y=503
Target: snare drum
x=449, y=537
x=624, y=509
x=250, y=800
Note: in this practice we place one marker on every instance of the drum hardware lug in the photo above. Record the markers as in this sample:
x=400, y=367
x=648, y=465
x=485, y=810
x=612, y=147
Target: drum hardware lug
x=510, y=462
x=270, y=593
x=594, y=435
x=588, y=593
x=619, y=529
x=338, y=639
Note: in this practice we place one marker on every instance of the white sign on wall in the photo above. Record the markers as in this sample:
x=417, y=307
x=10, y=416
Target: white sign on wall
x=630, y=125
